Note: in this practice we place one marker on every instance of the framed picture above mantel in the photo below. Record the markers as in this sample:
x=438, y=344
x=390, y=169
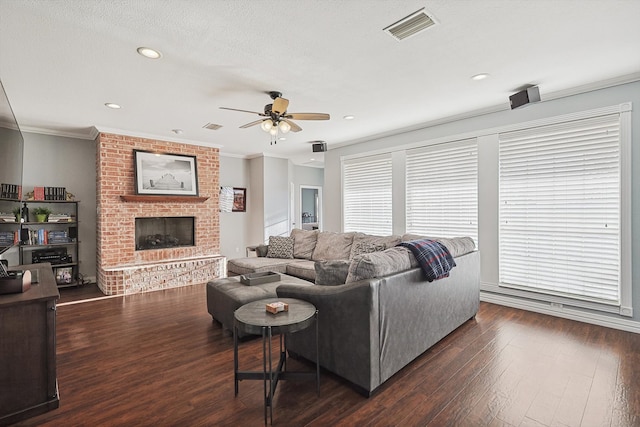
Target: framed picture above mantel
x=165, y=174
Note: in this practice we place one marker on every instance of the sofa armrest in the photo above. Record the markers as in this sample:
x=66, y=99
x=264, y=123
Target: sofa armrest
x=351, y=352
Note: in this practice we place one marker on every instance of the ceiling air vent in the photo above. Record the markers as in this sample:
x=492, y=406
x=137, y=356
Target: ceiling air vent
x=410, y=25
x=212, y=126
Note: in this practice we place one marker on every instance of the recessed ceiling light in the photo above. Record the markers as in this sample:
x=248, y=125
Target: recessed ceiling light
x=349, y=117
x=481, y=76
x=147, y=52
x=112, y=105
x=282, y=138
x=312, y=159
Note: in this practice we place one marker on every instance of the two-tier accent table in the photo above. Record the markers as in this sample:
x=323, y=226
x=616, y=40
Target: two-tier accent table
x=252, y=318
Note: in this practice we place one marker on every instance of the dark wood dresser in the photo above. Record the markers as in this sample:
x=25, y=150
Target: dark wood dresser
x=28, y=384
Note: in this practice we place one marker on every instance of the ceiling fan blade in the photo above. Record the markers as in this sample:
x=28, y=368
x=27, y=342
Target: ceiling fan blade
x=294, y=127
x=243, y=111
x=248, y=125
x=308, y=116
x=280, y=105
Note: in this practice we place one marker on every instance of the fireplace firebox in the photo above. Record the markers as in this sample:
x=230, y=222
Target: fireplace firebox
x=164, y=232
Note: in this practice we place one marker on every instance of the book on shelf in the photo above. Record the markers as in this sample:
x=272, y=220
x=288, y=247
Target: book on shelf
x=55, y=193
x=38, y=193
x=7, y=238
x=7, y=217
x=59, y=217
x=10, y=191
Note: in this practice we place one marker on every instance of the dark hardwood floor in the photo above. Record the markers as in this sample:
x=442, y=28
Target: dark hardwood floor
x=157, y=359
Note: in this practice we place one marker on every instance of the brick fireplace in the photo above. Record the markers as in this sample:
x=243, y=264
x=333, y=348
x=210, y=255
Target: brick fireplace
x=121, y=269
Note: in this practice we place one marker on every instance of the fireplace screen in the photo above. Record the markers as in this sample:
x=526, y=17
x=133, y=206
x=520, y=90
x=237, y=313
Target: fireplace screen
x=164, y=232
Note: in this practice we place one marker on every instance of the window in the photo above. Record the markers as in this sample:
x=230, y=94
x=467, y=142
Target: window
x=442, y=189
x=560, y=209
x=367, y=195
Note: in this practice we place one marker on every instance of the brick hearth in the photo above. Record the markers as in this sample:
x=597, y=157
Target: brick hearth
x=122, y=269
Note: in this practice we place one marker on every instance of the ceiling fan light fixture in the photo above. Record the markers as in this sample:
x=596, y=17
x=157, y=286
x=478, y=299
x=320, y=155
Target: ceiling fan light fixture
x=266, y=125
x=284, y=127
x=273, y=131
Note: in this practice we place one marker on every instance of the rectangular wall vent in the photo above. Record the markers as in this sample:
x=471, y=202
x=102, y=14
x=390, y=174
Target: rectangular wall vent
x=410, y=25
x=212, y=126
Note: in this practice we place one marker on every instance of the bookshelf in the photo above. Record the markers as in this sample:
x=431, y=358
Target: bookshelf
x=55, y=240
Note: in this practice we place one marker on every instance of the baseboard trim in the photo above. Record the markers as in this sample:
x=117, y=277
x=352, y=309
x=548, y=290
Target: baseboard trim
x=563, y=312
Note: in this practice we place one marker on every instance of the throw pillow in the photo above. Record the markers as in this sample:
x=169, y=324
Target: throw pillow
x=364, y=244
x=331, y=273
x=280, y=247
x=304, y=242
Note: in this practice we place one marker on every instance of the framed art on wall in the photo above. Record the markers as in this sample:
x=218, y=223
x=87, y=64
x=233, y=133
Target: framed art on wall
x=239, y=199
x=166, y=174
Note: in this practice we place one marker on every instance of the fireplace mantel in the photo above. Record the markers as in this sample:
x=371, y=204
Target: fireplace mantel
x=162, y=199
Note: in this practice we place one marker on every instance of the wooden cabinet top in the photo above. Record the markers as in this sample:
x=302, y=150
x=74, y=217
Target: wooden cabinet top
x=45, y=289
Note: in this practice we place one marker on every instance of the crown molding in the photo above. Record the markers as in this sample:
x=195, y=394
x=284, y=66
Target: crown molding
x=104, y=129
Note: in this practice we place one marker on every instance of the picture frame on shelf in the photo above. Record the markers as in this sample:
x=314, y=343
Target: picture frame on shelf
x=165, y=174
x=239, y=199
x=64, y=275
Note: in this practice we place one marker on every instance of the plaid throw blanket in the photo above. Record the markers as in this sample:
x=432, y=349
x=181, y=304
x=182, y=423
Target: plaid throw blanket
x=434, y=257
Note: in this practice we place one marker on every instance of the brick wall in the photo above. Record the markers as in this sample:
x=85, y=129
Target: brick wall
x=116, y=256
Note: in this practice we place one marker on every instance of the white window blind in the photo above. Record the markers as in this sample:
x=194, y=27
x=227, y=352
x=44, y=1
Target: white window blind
x=560, y=209
x=367, y=195
x=442, y=190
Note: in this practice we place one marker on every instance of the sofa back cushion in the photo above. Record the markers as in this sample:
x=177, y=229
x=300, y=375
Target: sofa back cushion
x=457, y=246
x=332, y=245
x=304, y=242
x=365, y=243
x=280, y=247
x=332, y=273
x=378, y=264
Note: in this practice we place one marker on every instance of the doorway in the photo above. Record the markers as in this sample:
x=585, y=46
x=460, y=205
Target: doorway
x=310, y=207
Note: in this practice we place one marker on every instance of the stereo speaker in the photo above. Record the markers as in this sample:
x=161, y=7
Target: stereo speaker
x=73, y=232
x=525, y=97
x=319, y=147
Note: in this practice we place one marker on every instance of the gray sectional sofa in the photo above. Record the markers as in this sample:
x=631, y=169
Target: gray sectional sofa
x=377, y=311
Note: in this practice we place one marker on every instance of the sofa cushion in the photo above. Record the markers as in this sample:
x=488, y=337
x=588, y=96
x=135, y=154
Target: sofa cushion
x=365, y=243
x=280, y=247
x=303, y=269
x=257, y=265
x=304, y=242
x=378, y=264
x=457, y=246
x=332, y=273
x=262, y=250
x=332, y=245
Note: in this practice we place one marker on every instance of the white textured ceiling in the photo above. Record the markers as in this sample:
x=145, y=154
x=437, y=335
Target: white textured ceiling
x=60, y=61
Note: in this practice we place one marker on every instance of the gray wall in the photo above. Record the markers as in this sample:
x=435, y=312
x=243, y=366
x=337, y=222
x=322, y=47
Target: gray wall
x=276, y=197
x=234, y=172
x=479, y=126
x=57, y=161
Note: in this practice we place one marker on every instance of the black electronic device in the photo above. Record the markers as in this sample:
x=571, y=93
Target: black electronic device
x=525, y=97
x=52, y=256
x=319, y=147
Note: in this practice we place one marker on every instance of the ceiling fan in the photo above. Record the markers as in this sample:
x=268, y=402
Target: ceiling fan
x=277, y=119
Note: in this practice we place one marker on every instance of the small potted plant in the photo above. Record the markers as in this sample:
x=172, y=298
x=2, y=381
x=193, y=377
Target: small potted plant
x=41, y=214
x=17, y=213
